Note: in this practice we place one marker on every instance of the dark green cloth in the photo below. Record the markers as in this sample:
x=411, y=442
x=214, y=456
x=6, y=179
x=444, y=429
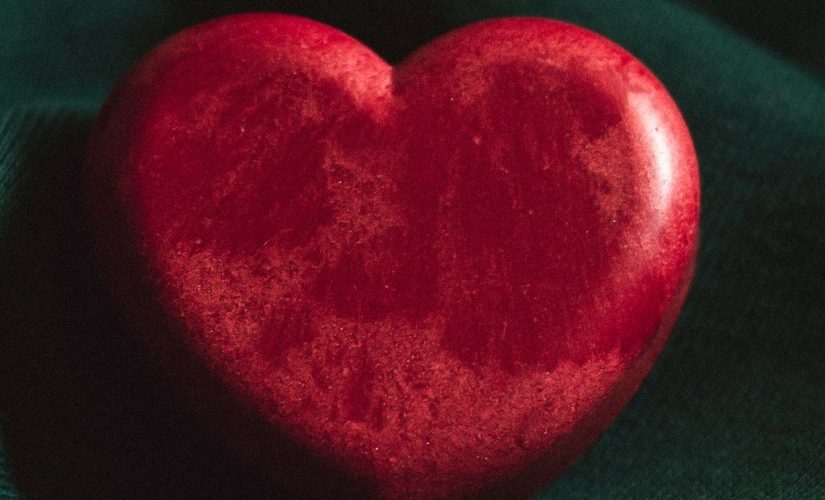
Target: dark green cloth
x=734, y=408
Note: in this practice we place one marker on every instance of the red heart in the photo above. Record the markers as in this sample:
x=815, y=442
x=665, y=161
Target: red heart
x=435, y=279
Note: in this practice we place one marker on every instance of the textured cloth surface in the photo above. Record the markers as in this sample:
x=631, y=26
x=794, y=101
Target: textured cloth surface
x=734, y=407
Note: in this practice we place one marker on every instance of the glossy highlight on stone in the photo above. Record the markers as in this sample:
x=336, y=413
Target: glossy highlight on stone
x=435, y=279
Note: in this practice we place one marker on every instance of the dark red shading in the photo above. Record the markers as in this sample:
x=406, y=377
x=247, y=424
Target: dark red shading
x=439, y=279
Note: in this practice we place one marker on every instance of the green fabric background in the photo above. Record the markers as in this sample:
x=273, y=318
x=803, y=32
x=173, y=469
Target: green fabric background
x=734, y=408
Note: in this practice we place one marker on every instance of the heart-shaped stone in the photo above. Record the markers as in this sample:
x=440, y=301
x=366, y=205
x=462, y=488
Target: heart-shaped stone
x=440, y=278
